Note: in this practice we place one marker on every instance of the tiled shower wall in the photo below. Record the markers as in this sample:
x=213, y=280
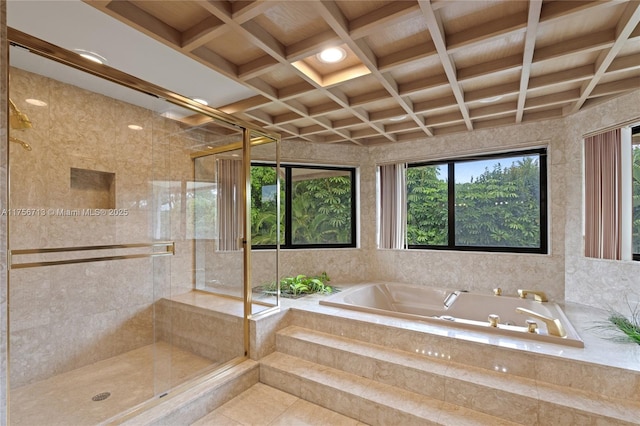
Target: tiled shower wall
x=67, y=316
x=4, y=145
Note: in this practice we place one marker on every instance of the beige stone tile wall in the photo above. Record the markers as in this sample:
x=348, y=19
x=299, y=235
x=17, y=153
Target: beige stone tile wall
x=595, y=282
x=4, y=143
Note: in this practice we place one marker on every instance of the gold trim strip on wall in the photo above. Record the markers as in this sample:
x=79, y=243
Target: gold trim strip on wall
x=170, y=249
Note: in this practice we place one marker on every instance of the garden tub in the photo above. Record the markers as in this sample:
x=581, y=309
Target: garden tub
x=510, y=316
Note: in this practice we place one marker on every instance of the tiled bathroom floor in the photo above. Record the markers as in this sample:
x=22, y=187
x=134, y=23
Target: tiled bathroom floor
x=131, y=378
x=262, y=405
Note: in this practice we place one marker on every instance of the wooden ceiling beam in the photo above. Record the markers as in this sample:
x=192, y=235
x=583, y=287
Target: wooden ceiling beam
x=494, y=110
x=332, y=14
x=555, y=10
x=245, y=10
x=444, y=119
x=257, y=67
x=346, y=122
x=389, y=14
x=145, y=22
x=487, y=31
x=203, y=32
x=435, y=104
x=386, y=114
x=211, y=59
x=401, y=127
x=615, y=87
x=535, y=7
x=312, y=45
x=553, y=99
x=265, y=41
x=437, y=35
x=286, y=118
x=295, y=90
x=560, y=77
x=245, y=104
x=624, y=63
x=542, y=115
x=312, y=130
x=626, y=24
x=490, y=68
x=369, y=97
x=325, y=108
x=582, y=44
x=406, y=56
x=493, y=91
x=422, y=84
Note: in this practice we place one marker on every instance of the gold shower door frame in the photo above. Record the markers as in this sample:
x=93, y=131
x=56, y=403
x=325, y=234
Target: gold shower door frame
x=252, y=136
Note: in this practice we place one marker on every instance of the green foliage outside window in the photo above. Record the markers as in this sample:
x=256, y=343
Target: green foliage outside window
x=320, y=206
x=427, y=205
x=321, y=211
x=498, y=208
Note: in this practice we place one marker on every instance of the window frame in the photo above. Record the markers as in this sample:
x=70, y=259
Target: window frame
x=451, y=243
x=288, y=201
x=635, y=130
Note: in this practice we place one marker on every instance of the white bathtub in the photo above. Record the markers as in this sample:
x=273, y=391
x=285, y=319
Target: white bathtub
x=458, y=309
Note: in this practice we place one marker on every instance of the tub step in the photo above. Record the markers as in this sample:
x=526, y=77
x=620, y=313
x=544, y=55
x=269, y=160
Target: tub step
x=612, y=383
x=495, y=393
x=363, y=399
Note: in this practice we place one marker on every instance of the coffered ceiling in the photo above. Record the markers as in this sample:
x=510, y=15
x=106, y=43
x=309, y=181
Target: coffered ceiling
x=413, y=69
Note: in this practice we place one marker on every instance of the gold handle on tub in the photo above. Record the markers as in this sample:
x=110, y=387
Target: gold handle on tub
x=494, y=320
x=538, y=296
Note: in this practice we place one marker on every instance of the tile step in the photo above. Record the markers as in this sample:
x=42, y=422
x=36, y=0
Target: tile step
x=364, y=399
x=471, y=387
x=613, y=383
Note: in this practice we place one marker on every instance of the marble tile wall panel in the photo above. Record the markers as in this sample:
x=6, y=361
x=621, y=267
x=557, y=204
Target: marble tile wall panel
x=605, y=284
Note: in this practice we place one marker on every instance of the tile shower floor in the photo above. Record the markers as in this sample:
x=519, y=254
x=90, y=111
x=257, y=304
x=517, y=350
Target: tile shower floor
x=66, y=399
x=262, y=405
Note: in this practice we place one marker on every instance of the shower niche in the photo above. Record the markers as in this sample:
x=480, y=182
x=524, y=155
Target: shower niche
x=92, y=189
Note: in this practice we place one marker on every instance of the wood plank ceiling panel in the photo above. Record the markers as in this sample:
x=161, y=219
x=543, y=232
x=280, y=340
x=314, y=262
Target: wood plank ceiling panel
x=432, y=65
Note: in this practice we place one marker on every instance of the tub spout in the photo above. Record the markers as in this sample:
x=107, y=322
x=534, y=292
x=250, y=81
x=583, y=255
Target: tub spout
x=539, y=296
x=554, y=326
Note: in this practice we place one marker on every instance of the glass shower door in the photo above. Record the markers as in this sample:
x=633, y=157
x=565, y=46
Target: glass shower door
x=104, y=314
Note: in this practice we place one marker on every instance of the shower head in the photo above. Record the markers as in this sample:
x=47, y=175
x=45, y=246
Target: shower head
x=18, y=120
x=23, y=143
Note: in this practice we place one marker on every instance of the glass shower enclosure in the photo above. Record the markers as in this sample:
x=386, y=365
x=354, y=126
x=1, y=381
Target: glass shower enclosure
x=130, y=267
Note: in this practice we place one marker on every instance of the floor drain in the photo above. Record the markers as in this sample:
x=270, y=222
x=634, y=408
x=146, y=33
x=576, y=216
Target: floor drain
x=101, y=396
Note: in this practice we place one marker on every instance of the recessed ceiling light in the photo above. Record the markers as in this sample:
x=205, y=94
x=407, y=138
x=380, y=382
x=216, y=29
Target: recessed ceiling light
x=92, y=56
x=491, y=99
x=135, y=127
x=201, y=101
x=398, y=118
x=36, y=102
x=332, y=55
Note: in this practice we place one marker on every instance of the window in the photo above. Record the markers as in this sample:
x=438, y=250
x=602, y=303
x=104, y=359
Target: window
x=318, y=206
x=486, y=203
x=635, y=174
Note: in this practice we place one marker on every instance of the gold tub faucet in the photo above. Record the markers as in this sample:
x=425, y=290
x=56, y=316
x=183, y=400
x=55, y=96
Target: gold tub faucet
x=538, y=296
x=554, y=326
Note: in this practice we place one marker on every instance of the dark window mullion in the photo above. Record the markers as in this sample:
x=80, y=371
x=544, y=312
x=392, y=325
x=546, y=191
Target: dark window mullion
x=451, y=201
x=544, y=237
x=287, y=206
